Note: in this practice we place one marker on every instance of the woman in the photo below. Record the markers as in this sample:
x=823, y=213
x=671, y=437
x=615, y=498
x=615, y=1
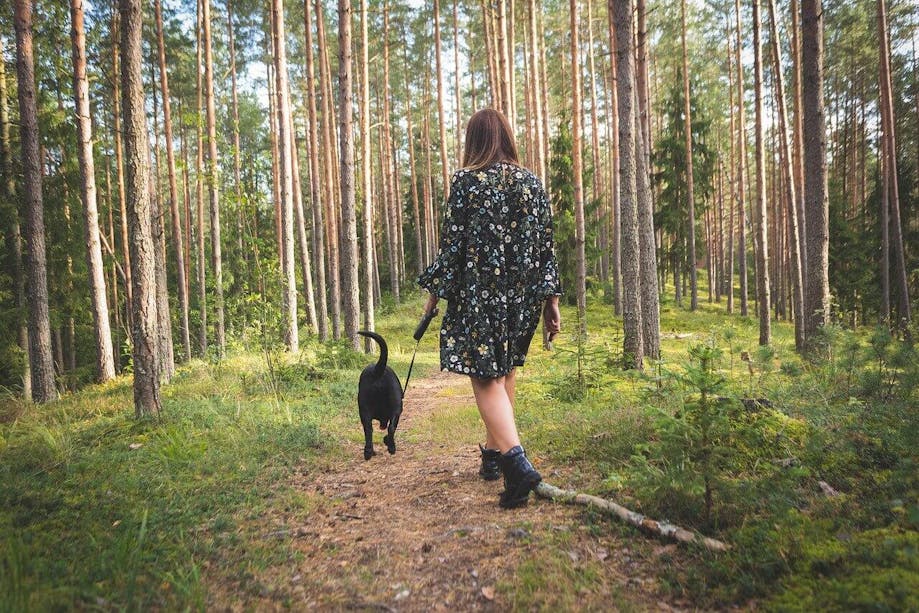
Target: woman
x=496, y=269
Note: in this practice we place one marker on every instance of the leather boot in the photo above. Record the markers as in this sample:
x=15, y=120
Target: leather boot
x=489, y=470
x=520, y=478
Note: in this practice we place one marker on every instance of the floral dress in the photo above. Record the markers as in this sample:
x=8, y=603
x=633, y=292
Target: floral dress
x=495, y=268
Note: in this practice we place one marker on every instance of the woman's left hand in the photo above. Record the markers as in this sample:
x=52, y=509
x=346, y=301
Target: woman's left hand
x=431, y=304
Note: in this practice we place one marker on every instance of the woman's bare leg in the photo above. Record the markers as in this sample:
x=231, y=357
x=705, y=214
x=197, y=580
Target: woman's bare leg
x=496, y=411
x=510, y=387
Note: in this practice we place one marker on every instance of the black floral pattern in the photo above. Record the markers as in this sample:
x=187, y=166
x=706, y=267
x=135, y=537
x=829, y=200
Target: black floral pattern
x=495, y=268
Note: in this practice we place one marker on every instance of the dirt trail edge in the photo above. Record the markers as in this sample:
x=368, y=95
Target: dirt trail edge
x=421, y=531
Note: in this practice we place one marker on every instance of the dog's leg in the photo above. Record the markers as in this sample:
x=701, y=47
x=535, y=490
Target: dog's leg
x=368, y=438
x=390, y=438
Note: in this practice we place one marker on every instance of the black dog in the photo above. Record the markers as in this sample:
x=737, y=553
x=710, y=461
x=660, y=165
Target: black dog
x=379, y=396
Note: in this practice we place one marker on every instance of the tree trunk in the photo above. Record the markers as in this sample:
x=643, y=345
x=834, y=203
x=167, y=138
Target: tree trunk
x=798, y=136
x=333, y=238
x=285, y=147
x=633, y=348
x=13, y=236
x=441, y=118
x=237, y=163
x=315, y=174
x=729, y=268
x=615, y=164
x=105, y=365
x=817, y=298
x=146, y=377
x=213, y=178
x=173, y=190
x=889, y=144
x=119, y=164
x=650, y=297
x=366, y=178
x=579, y=240
x=299, y=213
x=40, y=360
x=349, y=276
x=690, y=183
x=759, y=206
x=201, y=268
x=794, y=242
x=741, y=171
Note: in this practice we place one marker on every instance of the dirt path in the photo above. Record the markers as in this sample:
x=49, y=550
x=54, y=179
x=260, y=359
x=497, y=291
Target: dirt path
x=421, y=531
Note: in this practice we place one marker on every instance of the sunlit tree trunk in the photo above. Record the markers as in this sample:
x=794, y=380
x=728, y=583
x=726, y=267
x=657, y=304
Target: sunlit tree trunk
x=889, y=148
x=741, y=170
x=285, y=148
x=760, y=219
x=650, y=297
x=817, y=297
x=200, y=257
x=146, y=377
x=213, y=180
x=441, y=117
x=797, y=283
x=105, y=366
x=366, y=178
x=581, y=270
x=349, y=272
x=633, y=348
x=315, y=176
x=119, y=166
x=615, y=161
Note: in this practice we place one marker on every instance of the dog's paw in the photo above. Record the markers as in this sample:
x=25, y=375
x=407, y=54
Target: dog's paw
x=369, y=453
x=390, y=444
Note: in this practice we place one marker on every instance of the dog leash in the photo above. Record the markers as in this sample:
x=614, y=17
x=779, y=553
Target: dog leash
x=419, y=332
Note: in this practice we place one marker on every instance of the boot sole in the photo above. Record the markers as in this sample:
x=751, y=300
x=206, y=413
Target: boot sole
x=521, y=493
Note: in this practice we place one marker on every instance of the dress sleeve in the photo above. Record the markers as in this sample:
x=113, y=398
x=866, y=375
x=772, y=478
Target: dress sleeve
x=547, y=283
x=442, y=277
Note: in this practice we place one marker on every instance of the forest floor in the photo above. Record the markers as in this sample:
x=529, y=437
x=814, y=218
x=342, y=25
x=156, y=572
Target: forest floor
x=250, y=491
x=421, y=531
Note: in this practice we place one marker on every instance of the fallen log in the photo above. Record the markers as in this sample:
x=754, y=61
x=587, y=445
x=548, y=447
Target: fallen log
x=646, y=524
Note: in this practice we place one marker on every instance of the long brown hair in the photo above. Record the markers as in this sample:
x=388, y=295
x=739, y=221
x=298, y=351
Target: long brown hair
x=489, y=139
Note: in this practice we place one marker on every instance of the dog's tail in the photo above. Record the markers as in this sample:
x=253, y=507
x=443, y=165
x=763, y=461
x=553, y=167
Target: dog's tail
x=384, y=350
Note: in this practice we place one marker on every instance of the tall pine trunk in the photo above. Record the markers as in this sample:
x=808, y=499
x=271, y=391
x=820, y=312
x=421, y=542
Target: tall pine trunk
x=633, y=347
x=146, y=377
x=349, y=273
x=173, y=190
x=817, y=297
x=40, y=359
x=366, y=179
x=690, y=182
x=105, y=364
x=576, y=156
x=741, y=171
x=213, y=180
x=760, y=219
x=285, y=147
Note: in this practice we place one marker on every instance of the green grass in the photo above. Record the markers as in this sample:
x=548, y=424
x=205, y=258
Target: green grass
x=99, y=510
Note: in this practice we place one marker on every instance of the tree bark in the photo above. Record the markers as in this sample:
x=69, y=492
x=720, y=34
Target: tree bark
x=889, y=144
x=105, y=365
x=797, y=282
x=579, y=240
x=173, y=190
x=119, y=164
x=40, y=361
x=213, y=181
x=690, y=183
x=741, y=171
x=366, y=178
x=817, y=297
x=146, y=377
x=13, y=236
x=615, y=164
x=441, y=118
x=315, y=174
x=633, y=348
x=759, y=206
x=201, y=268
x=650, y=297
x=349, y=276
x=285, y=147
